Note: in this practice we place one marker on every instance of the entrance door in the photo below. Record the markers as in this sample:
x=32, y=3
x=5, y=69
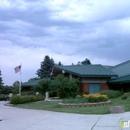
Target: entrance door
x=94, y=88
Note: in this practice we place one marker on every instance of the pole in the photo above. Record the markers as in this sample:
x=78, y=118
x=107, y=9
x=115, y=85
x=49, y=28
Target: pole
x=20, y=81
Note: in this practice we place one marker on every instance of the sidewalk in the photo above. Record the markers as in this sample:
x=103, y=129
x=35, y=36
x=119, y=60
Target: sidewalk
x=27, y=119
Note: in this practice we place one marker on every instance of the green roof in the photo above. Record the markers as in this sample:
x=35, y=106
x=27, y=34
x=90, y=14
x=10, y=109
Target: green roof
x=30, y=83
x=122, y=69
x=87, y=70
x=119, y=80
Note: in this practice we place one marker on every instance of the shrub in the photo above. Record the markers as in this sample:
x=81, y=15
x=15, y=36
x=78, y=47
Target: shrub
x=95, y=97
x=15, y=89
x=67, y=88
x=25, y=99
x=76, y=100
x=28, y=93
x=124, y=97
x=6, y=90
x=2, y=97
x=112, y=93
x=69, y=94
x=86, y=93
x=43, y=86
x=52, y=94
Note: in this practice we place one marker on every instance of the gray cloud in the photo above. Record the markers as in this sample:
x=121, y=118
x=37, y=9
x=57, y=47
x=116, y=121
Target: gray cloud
x=65, y=30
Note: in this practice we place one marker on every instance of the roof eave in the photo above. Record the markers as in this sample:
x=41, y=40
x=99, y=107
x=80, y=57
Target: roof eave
x=99, y=76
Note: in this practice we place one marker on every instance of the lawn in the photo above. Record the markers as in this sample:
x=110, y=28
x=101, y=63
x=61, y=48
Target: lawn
x=53, y=106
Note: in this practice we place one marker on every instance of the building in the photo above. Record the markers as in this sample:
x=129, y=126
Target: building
x=122, y=82
x=93, y=78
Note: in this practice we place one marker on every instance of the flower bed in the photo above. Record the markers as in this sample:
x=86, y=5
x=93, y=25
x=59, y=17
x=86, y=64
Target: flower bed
x=92, y=98
x=84, y=104
x=86, y=100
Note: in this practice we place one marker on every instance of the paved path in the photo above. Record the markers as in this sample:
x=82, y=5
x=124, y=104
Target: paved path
x=26, y=119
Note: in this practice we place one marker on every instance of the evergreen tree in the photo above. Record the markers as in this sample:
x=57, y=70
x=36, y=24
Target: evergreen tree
x=32, y=79
x=60, y=64
x=1, y=82
x=46, y=68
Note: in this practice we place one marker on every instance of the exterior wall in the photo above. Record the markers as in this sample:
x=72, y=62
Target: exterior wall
x=104, y=86
x=84, y=87
x=84, y=83
x=26, y=89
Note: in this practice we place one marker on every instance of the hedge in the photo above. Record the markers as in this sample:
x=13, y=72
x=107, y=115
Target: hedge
x=26, y=99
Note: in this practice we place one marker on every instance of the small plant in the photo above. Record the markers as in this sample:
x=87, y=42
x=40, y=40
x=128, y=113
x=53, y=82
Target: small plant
x=124, y=97
x=75, y=100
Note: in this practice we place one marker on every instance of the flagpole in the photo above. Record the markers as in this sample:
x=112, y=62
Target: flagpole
x=20, y=81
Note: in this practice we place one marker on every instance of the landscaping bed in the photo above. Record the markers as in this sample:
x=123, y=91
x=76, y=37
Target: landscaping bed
x=51, y=105
x=85, y=104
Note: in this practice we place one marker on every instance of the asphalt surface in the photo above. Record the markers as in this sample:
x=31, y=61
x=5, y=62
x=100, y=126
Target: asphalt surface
x=13, y=118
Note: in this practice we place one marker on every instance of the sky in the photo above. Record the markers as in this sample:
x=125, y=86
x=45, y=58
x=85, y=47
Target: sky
x=66, y=30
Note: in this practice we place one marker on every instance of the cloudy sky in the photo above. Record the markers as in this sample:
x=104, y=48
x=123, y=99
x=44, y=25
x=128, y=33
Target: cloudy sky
x=67, y=30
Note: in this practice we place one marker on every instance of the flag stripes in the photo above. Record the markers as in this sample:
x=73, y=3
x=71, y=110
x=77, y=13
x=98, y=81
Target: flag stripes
x=17, y=69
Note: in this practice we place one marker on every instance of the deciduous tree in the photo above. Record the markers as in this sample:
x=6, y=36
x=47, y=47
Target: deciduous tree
x=66, y=87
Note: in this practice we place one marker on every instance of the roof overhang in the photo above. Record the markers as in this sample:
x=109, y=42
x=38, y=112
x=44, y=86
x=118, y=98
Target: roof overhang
x=81, y=75
x=120, y=80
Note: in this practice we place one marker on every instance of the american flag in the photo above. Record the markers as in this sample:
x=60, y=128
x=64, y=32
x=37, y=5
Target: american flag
x=17, y=69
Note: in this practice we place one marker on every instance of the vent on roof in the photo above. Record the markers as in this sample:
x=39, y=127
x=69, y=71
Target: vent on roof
x=79, y=63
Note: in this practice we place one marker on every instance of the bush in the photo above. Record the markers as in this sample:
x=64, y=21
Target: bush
x=68, y=94
x=6, y=90
x=25, y=99
x=76, y=100
x=67, y=88
x=124, y=97
x=43, y=86
x=2, y=97
x=112, y=93
x=52, y=94
x=28, y=93
x=95, y=97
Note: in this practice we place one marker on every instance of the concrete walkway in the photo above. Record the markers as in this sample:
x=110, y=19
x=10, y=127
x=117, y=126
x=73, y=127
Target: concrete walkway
x=27, y=119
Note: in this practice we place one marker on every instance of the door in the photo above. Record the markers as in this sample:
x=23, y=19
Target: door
x=94, y=88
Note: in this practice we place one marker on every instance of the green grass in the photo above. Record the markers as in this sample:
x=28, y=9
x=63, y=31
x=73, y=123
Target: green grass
x=53, y=106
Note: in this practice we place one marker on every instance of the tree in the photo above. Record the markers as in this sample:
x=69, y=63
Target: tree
x=46, y=68
x=1, y=82
x=16, y=87
x=66, y=87
x=6, y=89
x=32, y=79
x=60, y=64
x=42, y=86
